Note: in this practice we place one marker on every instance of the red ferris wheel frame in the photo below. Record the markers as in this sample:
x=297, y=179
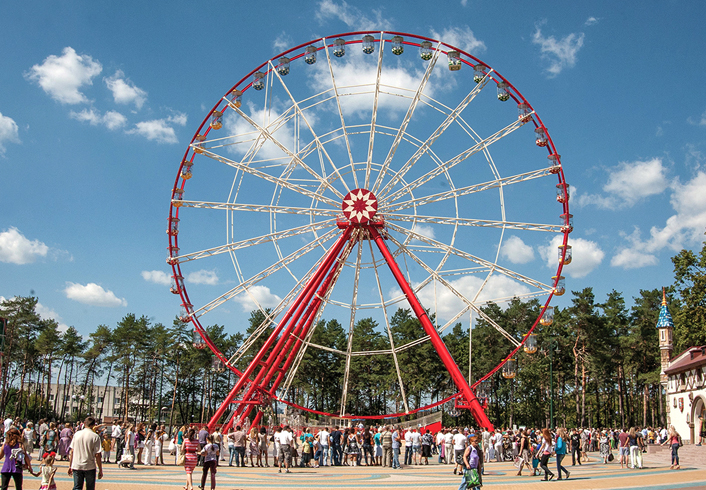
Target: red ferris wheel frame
x=259, y=382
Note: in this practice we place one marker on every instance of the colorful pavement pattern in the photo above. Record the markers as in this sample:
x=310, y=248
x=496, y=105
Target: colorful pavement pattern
x=499, y=476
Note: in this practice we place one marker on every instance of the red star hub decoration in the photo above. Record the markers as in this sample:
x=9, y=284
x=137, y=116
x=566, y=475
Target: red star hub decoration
x=359, y=206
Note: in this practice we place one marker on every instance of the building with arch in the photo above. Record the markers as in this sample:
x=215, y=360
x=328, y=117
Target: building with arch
x=684, y=380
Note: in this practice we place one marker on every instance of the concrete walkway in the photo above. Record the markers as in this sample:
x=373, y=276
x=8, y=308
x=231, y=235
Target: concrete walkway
x=499, y=476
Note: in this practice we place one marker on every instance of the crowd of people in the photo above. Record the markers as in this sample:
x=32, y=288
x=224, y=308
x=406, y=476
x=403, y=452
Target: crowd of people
x=465, y=449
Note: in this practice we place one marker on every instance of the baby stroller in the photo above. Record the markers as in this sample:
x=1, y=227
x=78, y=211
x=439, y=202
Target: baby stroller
x=508, y=452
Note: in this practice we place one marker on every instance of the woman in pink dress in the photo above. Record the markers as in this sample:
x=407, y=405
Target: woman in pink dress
x=65, y=435
x=191, y=449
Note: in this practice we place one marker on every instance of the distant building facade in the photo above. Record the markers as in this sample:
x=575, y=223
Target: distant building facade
x=69, y=399
x=684, y=380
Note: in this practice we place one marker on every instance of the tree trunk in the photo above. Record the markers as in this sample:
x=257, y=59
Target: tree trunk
x=621, y=396
x=583, y=392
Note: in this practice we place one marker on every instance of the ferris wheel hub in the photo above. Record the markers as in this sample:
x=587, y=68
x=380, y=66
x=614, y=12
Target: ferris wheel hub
x=359, y=206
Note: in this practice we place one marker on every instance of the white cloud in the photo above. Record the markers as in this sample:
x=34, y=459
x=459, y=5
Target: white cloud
x=629, y=258
x=259, y=294
x=698, y=122
x=586, y=256
x=426, y=231
x=499, y=288
x=8, y=132
x=460, y=37
x=112, y=120
x=203, y=277
x=157, y=277
x=47, y=313
x=155, y=130
x=15, y=248
x=560, y=53
x=61, y=77
x=685, y=227
x=628, y=183
x=517, y=251
x=357, y=70
x=352, y=16
x=591, y=21
x=93, y=294
x=124, y=91
x=178, y=118
x=282, y=42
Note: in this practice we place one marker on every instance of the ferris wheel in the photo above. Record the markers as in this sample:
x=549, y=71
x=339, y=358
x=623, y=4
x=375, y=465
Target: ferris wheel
x=354, y=175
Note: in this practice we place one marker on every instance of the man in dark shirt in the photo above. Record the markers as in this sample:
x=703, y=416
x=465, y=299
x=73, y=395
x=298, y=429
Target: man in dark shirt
x=336, y=446
x=575, y=447
x=203, y=434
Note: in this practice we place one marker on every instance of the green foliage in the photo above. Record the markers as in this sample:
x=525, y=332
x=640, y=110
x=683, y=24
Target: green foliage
x=603, y=359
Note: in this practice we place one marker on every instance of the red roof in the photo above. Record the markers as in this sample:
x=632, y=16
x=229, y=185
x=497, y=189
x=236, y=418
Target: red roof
x=691, y=358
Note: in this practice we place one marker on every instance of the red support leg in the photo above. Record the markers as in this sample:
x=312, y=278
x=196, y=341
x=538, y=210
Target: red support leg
x=303, y=299
x=471, y=402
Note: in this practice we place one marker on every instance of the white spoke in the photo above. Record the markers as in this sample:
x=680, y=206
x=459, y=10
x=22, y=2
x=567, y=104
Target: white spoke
x=371, y=141
x=242, y=287
x=290, y=154
x=262, y=208
x=340, y=113
x=456, y=293
x=271, y=178
x=446, y=166
x=389, y=329
x=351, y=327
x=231, y=247
x=483, y=223
x=313, y=133
x=464, y=191
x=460, y=253
x=450, y=118
x=405, y=122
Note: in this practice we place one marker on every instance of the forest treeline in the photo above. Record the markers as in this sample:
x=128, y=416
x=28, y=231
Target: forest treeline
x=605, y=361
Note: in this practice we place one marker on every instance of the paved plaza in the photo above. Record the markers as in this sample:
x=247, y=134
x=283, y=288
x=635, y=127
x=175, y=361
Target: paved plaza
x=499, y=476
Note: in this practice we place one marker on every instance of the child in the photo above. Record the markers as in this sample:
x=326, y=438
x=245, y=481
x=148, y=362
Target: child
x=47, y=470
x=105, y=443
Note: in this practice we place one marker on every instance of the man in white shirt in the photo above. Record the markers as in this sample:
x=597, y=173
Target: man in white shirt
x=486, y=444
x=449, y=447
x=85, y=456
x=460, y=442
x=285, y=445
x=408, y=447
x=323, y=438
x=416, y=445
x=114, y=434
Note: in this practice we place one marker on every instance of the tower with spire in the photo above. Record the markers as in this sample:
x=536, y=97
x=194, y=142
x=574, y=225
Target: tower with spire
x=666, y=330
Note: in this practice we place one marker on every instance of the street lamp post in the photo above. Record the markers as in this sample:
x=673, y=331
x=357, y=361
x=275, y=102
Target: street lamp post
x=553, y=345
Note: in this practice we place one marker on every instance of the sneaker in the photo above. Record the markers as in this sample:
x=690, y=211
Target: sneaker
x=288, y=470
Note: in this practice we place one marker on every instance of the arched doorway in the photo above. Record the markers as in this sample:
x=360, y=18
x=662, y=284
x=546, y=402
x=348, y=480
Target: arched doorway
x=698, y=413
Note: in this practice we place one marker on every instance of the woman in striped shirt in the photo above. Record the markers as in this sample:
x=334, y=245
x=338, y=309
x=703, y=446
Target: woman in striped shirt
x=191, y=451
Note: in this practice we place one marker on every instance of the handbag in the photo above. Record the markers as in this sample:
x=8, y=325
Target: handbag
x=181, y=459
x=611, y=457
x=172, y=447
x=472, y=477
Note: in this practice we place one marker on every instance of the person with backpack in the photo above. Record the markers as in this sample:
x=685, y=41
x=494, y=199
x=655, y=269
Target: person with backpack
x=16, y=459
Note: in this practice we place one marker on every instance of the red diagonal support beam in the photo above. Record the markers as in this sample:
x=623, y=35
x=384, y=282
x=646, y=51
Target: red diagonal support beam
x=293, y=341
x=470, y=399
x=294, y=312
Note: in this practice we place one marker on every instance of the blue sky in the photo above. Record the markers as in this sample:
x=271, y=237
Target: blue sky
x=99, y=104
